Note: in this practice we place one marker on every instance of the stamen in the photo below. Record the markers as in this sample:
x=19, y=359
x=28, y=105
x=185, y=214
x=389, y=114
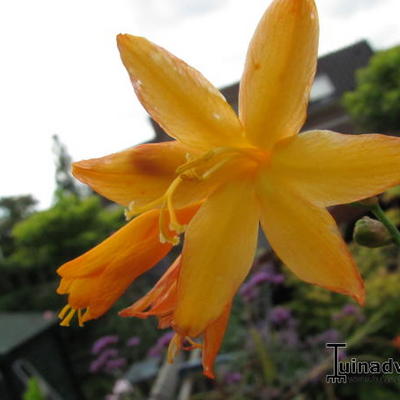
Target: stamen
x=215, y=153
x=191, y=164
x=67, y=320
x=174, y=347
x=165, y=237
x=85, y=315
x=174, y=225
x=190, y=171
x=190, y=175
x=194, y=344
x=64, y=311
x=189, y=157
x=132, y=211
x=80, y=318
x=216, y=167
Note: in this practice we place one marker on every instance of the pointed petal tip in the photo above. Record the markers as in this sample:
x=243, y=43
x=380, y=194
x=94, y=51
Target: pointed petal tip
x=125, y=313
x=123, y=42
x=358, y=293
x=125, y=39
x=78, y=166
x=209, y=373
x=59, y=290
x=122, y=38
x=79, y=169
x=128, y=313
x=281, y=59
x=360, y=296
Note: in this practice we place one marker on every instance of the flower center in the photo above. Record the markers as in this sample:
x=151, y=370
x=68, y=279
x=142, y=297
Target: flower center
x=200, y=169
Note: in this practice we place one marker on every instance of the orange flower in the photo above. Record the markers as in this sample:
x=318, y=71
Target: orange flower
x=243, y=170
x=95, y=280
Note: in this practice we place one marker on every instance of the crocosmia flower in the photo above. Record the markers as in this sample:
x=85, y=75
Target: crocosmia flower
x=219, y=177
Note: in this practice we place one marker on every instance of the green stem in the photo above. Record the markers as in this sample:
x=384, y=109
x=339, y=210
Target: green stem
x=376, y=209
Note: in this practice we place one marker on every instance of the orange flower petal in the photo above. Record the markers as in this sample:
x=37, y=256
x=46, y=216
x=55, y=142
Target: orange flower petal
x=141, y=174
x=307, y=240
x=213, y=337
x=99, y=277
x=218, y=252
x=279, y=71
x=81, y=292
x=160, y=299
x=118, y=246
x=331, y=168
x=178, y=97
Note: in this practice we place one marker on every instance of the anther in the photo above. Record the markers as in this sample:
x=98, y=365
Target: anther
x=80, y=318
x=132, y=211
x=67, y=320
x=64, y=311
x=173, y=348
x=194, y=344
x=166, y=237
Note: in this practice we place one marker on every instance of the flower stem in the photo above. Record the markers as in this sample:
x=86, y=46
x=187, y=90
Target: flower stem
x=376, y=209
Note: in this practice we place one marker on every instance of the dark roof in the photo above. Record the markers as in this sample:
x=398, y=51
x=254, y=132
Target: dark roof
x=341, y=65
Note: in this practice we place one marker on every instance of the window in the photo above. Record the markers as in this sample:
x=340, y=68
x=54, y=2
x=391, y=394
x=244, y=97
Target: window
x=322, y=88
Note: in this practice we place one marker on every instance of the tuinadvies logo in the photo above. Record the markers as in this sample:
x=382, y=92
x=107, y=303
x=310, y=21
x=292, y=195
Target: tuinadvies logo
x=343, y=369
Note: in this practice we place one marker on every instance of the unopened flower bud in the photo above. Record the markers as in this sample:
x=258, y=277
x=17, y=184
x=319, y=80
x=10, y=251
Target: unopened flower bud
x=370, y=232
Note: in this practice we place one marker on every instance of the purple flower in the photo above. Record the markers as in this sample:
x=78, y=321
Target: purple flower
x=250, y=293
x=103, y=342
x=99, y=363
x=289, y=337
x=249, y=290
x=165, y=339
x=160, y=345
x=232, y=377
x=114, y=364
x=280, y=315
x=133, y=341
x=342, y=355
x=96, y=366
x=329, y=336
x=349, y=310
x=277, y=279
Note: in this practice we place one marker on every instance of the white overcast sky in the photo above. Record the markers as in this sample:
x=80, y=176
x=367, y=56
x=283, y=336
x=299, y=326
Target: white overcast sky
x=60, y=71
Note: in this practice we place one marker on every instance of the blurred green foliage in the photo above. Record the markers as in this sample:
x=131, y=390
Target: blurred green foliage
x=13, y=209
x=33, y=391
x=64, y=231
x=375, y=103
x=65, y=183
